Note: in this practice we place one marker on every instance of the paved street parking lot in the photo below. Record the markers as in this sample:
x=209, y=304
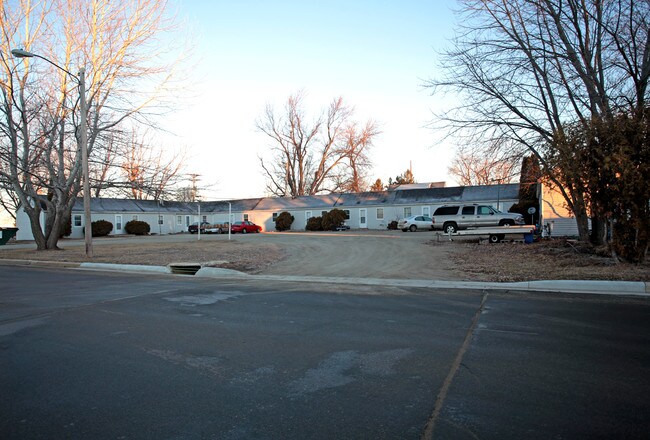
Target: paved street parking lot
x=107, y=355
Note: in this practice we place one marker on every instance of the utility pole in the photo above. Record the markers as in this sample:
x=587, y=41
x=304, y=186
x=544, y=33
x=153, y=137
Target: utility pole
x=194, y=178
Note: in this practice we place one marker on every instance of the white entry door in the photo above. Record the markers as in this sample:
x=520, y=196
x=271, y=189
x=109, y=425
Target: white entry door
x=363, y=218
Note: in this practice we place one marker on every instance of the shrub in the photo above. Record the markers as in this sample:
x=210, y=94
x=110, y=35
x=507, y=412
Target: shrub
x=314, y=224
x=137, y=227
x=101, y=228
x=392, y=225
x=333, y=219
x=283, y=221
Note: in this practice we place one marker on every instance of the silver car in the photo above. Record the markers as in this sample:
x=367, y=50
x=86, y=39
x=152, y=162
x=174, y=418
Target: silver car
x=451, y=218
x=415, y=222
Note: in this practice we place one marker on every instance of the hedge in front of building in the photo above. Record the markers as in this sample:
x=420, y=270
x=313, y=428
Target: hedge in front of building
x=101, y=228
x=283, y=221
x=333, y=219
x=137, y=227
x=314, y=224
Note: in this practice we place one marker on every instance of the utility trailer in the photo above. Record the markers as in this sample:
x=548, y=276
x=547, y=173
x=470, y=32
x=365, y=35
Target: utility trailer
x=494, y=234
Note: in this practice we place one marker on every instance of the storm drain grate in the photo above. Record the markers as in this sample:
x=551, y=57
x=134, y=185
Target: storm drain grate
x=184, y=268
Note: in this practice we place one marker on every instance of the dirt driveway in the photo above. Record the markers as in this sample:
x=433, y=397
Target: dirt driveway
x=366, y=254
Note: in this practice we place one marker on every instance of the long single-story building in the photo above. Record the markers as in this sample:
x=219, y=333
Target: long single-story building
x=366, y=210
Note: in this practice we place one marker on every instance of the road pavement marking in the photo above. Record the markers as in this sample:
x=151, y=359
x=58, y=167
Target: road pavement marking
x=430, y=425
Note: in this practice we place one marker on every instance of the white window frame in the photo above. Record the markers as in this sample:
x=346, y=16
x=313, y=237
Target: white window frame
x=379, y=210
x=118, y=222
x=347, y=214
x=308, y=215
x=77, y=221
x=135, y=217
x=179, y=220
x=408, y=211
x=426, y=210
x=245, y=217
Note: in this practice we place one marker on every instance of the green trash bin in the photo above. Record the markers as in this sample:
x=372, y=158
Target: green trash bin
x=7, y=234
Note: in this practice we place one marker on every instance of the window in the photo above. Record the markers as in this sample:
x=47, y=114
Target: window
x=77, y=220
x=307, y=215
x=118, y=222
x=204, y=218
x=275, y=216
x=347, y=214
x=484, y=210
x=135, y=217
x=187, y=220
x=161, y=219
x=322, y=213
x=468, y=210
x=245, y=217
x=426, y=211
x=407, y=211
x=380, y=213
x=446, y=210
x=179, y=220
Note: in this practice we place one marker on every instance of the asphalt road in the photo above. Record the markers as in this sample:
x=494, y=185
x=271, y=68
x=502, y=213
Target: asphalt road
x=91, y=355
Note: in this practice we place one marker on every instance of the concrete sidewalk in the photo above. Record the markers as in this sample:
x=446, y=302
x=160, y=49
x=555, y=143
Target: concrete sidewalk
x=623, y=288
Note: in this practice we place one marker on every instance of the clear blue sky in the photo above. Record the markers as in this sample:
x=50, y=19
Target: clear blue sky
x=375, y=54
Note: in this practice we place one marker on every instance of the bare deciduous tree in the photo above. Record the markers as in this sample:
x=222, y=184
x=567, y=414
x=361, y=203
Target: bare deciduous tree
x=356, y=143
x=40, y=146
x=524, y=70
x=147, y=173
x=480, y=167
x=310, y=156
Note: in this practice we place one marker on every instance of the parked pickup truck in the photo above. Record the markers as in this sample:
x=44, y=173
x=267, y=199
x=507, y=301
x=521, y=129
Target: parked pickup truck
x=208, y=228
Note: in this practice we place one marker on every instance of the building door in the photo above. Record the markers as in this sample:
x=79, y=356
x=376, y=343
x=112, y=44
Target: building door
x=363, y=218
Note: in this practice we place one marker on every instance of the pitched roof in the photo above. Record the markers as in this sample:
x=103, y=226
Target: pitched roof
x=441, y=195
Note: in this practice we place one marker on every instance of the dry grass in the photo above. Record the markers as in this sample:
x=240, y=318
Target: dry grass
x=247, y=257
x=556, y=259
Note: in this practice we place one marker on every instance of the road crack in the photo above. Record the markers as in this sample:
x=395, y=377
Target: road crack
x=427, y=434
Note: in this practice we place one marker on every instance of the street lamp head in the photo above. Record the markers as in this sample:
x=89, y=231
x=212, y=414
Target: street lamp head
x=20, y=53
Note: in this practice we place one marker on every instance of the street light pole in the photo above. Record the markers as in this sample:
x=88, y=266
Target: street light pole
x=83, y=137
x=83, y=140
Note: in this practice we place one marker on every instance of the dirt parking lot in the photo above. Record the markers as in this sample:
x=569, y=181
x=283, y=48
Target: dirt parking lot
x=374, y=254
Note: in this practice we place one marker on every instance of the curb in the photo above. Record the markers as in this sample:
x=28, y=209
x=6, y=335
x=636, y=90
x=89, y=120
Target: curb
x=614, y=288
x=38, y=263
x=126, y=267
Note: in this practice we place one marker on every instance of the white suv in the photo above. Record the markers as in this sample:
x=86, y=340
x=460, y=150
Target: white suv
x=451, y=218
x=415, y=222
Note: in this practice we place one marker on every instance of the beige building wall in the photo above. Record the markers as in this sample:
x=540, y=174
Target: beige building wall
x=556, y=212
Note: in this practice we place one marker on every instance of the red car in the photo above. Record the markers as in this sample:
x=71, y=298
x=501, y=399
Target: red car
x=245, y=227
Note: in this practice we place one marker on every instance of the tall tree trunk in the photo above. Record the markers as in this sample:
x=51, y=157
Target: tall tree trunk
x=598, y=235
